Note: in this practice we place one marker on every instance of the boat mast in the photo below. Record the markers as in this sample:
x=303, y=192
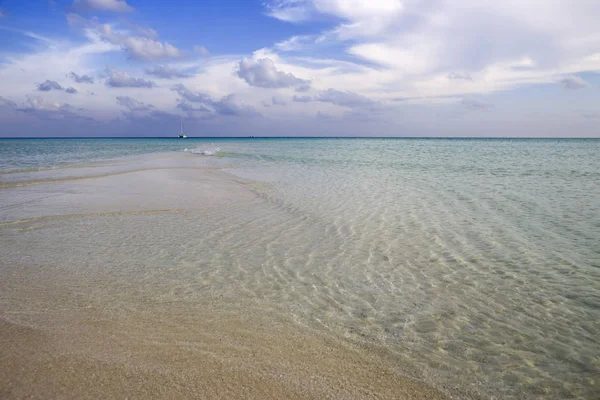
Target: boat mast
x=181, y=126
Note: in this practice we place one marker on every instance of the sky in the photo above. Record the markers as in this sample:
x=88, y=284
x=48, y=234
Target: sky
x=476, y=68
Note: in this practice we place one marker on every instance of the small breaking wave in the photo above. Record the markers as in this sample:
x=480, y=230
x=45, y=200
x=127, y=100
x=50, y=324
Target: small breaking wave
x=211, y=151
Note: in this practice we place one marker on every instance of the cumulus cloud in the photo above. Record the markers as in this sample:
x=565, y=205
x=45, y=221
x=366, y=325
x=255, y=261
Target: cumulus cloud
x=476, y=104
x=262, y=73
x=71, y=90
x=229, y=105
x=166, y=72
x=48, y=86
x=140, y=47
x=122, y=79
x=81, y=78
x=118, y=6
x=573, y=83
x=132, y=104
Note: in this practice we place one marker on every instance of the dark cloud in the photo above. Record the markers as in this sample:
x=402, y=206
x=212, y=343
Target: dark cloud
x=81, y=78
x=166, y=72
x=476, y=104
x=123, y=79
x=262, y=73
x=48, y=86
x=573, y=83
x=71, y=90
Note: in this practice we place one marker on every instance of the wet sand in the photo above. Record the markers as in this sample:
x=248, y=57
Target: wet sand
x=71, y=329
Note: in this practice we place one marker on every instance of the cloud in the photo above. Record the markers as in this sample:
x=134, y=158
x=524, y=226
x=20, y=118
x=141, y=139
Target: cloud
x=184, y=106
x=476, y=104
x=118, y=6
x=289, y=10
x=71, y=90
x=262, y=73
x=48, y=86
x=132, y=104
x=191, y=96
x=81, y=78
x=573, y=83
x=344, y=99
x=229, y=105
x=121, y=79
x=201, y=50
x=278, y=101
x=138, y=47
x=166, y=72
x=2, y=13
x=7, y=102
x=37, y=106
x=302, y=99
x=454, y=76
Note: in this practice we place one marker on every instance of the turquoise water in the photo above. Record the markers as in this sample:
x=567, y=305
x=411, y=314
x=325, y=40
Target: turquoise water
x=476, y=262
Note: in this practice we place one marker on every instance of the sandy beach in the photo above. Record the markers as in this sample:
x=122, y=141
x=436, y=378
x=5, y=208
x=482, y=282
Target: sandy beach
x=91, y=308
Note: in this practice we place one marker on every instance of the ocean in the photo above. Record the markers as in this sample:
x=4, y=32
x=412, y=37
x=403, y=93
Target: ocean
x=470, y=265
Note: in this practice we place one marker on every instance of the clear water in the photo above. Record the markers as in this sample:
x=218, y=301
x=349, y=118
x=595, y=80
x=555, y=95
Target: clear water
x=475, y=263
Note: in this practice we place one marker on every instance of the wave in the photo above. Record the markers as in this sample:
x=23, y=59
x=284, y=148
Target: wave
x=211, y=151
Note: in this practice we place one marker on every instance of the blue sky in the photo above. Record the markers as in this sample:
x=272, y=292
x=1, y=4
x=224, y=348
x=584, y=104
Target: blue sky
x=300, y=67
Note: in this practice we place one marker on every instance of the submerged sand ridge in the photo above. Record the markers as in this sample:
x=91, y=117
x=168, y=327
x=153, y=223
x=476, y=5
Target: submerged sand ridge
x=103, y=295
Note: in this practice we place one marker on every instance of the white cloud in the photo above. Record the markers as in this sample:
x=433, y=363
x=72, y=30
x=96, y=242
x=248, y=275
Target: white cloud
x=122, y=79
x=262, y=73
x=118, y=6
x=142, y=47
x=573, y=83
x=201, y=50
x=139, y=47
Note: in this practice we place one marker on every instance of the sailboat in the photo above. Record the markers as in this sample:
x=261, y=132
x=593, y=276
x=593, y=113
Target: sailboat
x=181, y=134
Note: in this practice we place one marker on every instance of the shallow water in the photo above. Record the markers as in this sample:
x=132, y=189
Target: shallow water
x=474, y=264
